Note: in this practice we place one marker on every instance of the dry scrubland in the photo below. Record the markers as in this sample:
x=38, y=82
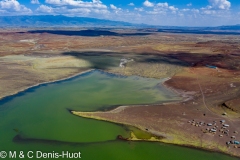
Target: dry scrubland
x=31, y=58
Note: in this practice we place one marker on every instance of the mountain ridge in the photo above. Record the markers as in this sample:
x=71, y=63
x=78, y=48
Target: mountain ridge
x=64, y=21
x=58, y=20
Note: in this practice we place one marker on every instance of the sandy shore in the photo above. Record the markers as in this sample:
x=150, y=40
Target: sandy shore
x=38, y=84
x=171, y=125
x=157, y=119
x=74, y=75
x=156, y=135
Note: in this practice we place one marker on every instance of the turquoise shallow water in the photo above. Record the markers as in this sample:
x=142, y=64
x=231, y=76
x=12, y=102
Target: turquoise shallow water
x=38, y=119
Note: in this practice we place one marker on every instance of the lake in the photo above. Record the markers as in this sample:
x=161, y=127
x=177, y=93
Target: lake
x=38, y=119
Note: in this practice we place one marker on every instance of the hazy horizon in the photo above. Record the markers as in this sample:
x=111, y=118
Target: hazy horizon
x=165, y=13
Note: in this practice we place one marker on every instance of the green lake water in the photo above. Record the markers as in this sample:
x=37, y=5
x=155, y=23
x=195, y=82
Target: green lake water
x=38, y=119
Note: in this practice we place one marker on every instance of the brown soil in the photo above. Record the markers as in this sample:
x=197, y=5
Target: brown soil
x=183, y=57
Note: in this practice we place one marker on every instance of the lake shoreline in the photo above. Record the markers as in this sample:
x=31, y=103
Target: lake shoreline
x=84, y=72
x=45, y=83
x=117, y=108
x=164, y=136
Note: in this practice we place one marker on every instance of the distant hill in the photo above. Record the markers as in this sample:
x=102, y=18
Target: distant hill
x=233, y=27
x=223, y=28
x=64, y=21
x=57, y=21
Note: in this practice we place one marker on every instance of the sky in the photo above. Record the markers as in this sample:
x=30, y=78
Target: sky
x=153, y=12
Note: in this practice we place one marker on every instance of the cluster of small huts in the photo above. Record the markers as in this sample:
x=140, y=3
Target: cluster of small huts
x=213, y=128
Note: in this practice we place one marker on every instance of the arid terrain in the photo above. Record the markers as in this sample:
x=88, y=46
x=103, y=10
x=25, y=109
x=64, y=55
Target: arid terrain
x=203, y=68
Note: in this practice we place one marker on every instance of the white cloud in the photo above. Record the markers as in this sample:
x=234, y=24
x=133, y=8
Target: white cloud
x=148, y=4
x=94, y=8
x=113, y=7
x=163, y=4
x=44, y=9
x=163, y=9
x=209, y=12
x=116, y=9
x=11, y=6
x=195, y=10
x=139, y=9
x=79, y=11
x=216, y=8
x=220, y=4
x=35, y=2
x=77, y=3
x=151, y=12
x=131, y=4
x=172, y=8
x=185, y=9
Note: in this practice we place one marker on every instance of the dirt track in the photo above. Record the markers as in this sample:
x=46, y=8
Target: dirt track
x=183, y=57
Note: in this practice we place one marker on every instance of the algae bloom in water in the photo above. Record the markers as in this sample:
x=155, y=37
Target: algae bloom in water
x=38, y=119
